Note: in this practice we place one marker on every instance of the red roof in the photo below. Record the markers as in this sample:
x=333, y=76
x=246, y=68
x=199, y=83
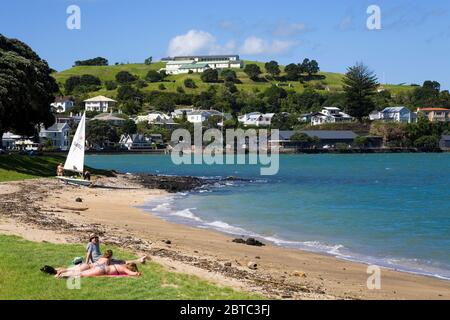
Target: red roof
x=432, y=109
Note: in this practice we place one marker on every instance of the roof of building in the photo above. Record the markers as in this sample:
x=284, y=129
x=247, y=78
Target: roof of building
x=445, y=137
x=432, y=109
x=195, y=66
x=394, y=109
x=100, y=99
x=223, y=56
x=107, y=117
x=57, y=127
x=321, y=134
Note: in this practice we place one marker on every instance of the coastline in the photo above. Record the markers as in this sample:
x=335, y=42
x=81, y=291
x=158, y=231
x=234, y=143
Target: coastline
x=112, y=212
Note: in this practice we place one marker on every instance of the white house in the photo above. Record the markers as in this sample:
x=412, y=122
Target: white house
x=256, y=119
x=198, y=116
x=393, y=114
x=9, y=140
x=135, y=142
x=62, y=104
x=99, y=104
x=59, y=134
x=330, y=115
x=198, y=64
x=178, y=113
x=152, y=117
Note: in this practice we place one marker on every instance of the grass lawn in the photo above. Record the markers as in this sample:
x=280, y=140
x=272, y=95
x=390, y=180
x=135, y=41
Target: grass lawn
x=332, y=80
x=18, y=167
x=20, y=277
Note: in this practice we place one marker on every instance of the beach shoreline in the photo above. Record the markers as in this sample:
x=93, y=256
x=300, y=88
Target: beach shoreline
x=113, y=212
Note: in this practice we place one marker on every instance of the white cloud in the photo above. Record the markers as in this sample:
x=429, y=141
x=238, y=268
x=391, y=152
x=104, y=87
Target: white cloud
x=258, y=46
x=202, y=42
x=198, y=42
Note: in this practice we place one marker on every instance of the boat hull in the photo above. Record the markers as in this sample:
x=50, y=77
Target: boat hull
x=76, y=182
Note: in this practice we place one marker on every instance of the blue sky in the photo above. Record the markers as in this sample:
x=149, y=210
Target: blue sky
x=412, y=46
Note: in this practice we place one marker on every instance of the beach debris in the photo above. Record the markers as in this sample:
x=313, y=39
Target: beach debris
x=257, y=257
x=78, y=199
x=227, y=264
x=249, y=242
x=252, y=265
x=167, y=241
x=299, y=274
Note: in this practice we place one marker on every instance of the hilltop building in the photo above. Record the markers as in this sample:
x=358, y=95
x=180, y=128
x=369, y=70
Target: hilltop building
x=199, y=64
x=330, y=115
x=394, y=114
x=435, y=114
x=62, y=104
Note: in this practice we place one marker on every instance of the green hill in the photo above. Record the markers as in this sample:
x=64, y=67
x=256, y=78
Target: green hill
x=331, y=82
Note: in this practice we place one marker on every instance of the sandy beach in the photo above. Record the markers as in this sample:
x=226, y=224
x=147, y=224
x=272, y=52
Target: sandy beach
x=46, y=210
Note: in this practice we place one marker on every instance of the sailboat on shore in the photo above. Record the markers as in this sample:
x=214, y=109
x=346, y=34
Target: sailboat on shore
x=75, y=158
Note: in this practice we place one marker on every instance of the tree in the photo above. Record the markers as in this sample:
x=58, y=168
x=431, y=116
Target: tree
x=253, y=71
x=148, y=61
x=189, y=83
x=128, y=127
x=85, y=83
x=130, y=107
x=154, y=76
x=162, y=86
x=427, y=143
x=110, y=85
x=310, y=67
x=293, y=72
x=99, y=61
x=128, y=93
x=210, y=76
x=124, y=77
x=360, y=85
x=101, y=133
x=283, y=121
x=229, y=75
x=272, y=68
x=26, y=89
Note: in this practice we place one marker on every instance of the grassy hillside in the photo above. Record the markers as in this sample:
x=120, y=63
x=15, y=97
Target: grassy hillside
x=18, y=167
x=21, y=279
x=332, y=81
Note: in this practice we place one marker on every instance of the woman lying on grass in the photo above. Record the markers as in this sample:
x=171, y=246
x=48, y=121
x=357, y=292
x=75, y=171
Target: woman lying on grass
x=105, y=261
x=129, y=269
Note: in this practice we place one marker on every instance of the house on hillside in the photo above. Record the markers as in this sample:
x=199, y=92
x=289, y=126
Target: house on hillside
x=330, y=115
x=256, y=119
x=393, y=114
x=152, y=117
x=198, y=64
x=178, y=113
x=62, y=104
x=435, y=114
x=100, y=104
x=9, y=140
x=58, y=134
x=199, y=116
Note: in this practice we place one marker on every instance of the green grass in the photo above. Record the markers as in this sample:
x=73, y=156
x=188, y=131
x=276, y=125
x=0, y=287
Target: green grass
x=332, y=80
x=20, y=277
x=19, y=167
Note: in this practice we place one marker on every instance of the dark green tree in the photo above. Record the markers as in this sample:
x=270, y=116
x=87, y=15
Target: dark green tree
x=210, y=76
x=26, y=89
x=99, y=61
x=101, y=133
x=148, y=61
x=293, y=72
x=128, y=127
x=124, y=77
x=189, y=83
x=360, y=85
x=253, y=71
x=229, y=75
x=154, y=76
x=272, y=68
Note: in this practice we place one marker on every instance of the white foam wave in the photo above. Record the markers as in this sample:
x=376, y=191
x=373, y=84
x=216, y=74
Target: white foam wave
x=186, y=213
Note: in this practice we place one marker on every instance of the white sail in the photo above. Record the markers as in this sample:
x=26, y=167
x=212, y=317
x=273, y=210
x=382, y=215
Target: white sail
x=75, y=159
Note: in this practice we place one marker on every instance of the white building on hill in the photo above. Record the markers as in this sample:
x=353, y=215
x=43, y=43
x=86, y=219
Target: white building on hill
x=100, y=104
x=198, y=64
x=256, y=119
x=330, y=115
x=62, y=104
x=58, y=134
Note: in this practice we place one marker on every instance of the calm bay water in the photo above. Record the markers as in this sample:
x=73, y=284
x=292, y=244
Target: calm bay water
x=387, y=209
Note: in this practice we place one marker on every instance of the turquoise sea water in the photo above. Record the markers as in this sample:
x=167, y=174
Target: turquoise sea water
x=387, y=209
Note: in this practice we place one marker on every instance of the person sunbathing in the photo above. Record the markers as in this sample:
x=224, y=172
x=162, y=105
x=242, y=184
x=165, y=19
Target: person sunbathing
x=104, y=260
x=129, y=269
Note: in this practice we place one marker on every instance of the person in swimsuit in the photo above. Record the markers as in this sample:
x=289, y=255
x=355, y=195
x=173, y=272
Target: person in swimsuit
x=129, y=269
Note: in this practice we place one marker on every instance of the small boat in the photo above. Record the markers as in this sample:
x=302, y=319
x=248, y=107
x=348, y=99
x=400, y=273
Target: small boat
x=75, y=158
